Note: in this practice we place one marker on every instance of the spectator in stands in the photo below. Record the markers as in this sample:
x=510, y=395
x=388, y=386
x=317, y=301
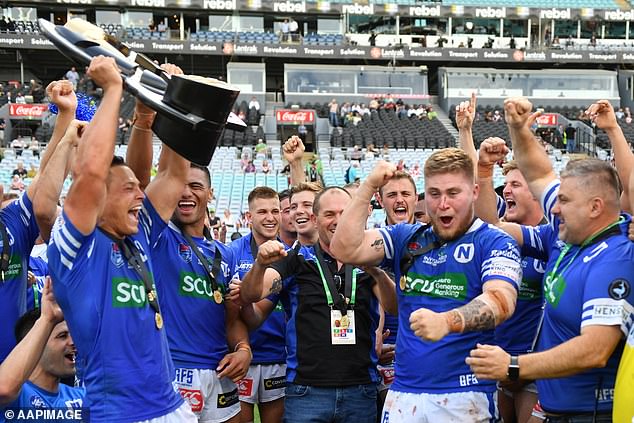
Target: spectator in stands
x=619, y=113
x=266, y=168
x=401, y=166
x=374, y=104
x=415, y=172
x=344, y=110
x=333, y=114
x=228, y=219
x=385, y=152
x=372, y=39
x=3, y=25
x=32, y=171
x=363, y=110
x=244, y=221
x=214, y=221
x=370, y=152
x=356, y=153
x=571, y=132
x=11, y=25
x=284, y=28
x=250, y=167
x=73, y=77
x=497, y=116
x=431, y=113
x=313, y=173
x=293, y=29
x=261, y=147
x=19, y=99
x=302, y=131
x=162, y=27
x=16, y=184
x=254, y=104
x=20, y=170
x=34, y=146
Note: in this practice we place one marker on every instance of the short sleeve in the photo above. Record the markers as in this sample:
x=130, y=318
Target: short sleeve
x=151, y=222
x=67, y=249
x=502, y=260
x=394, y=238
x=19, y=219
x=548, y=200
x=538, y=241
x=609, y=299
x=500, y=206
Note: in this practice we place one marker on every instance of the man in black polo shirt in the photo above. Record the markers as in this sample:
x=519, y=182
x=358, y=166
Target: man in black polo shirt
x=332, y=318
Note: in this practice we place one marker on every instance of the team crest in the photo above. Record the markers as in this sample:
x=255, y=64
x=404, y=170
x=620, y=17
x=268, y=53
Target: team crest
x=185, y=252
x=37, y=402
x=115, y=255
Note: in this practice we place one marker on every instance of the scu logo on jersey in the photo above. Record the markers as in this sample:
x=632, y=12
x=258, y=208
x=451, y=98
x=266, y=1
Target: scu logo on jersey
x=115, y=255
x=185, y=252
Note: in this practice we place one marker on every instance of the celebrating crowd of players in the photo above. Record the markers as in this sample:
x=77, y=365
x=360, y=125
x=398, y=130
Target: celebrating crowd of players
x=465, y=306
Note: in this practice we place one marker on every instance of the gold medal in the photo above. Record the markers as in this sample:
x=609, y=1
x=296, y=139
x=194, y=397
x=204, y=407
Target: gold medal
x=150, y=296
x=158, y=319
x=217, y=297
x=403, y=282
x=345, y=321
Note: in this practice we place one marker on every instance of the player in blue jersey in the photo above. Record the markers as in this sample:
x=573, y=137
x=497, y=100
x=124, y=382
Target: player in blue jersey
x=38, y=271
x=101, y=261
x=288, y=234
x=587, y=286
x=264, y=383
x=457, y=281
x=22, y=216
x=30, y=376
x=332, y=318
x=517, y=335
x=192, y=278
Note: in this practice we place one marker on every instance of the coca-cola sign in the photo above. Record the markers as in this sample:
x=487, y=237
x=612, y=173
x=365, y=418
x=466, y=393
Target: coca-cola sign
x=285, y=115
x=28, y=111
x=547, y=119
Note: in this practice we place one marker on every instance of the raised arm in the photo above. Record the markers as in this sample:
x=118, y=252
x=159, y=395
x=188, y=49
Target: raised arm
x=602, y=114
x=384, y=289
x=261, y=281
x=465, y=115
x=52, y=179
x=491, y=151
x=293, y=152
x=352, y=243
x=20, y=363
x=484, y=312
x=531, y=158
x=88, y=192
x=139, y=153
x=167, y=187
x=62, y=95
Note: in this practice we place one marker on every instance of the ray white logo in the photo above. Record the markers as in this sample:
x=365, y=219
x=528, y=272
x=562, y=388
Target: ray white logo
x=555, y=14
x=289, y=7
x=491, y=12
x=219, y=4
x=358, y=9
x=424, y=11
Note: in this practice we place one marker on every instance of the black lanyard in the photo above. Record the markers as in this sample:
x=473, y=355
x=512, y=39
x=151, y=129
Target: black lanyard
x=341, y=302
x=133, y=257
x=210, y=270
x=5, y=258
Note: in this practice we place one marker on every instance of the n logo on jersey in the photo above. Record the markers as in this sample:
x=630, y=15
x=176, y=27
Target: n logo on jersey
x=185, y=252
x=127, y=293
x=464, y=253
x=115, y=255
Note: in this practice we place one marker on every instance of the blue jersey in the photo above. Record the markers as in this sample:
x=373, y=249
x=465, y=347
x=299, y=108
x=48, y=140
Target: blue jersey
x=594, y=288
x=517, y=334
x=22, y=231
x=443, y=279
x=39, y=266
x=268, y=341
x=127, y=368
x=194, y=323
x=33, y=397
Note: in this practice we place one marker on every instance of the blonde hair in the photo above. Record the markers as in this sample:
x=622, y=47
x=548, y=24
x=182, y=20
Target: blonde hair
x=449, y=160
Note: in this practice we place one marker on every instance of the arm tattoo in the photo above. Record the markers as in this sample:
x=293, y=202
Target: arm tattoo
x=477, y=315
x=276, y=286
x=377, y=244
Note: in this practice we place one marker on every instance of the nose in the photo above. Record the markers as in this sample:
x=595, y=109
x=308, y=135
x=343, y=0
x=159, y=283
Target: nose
x=140, y=193
x=507, y=189
x=556, y=208
x=444, y=202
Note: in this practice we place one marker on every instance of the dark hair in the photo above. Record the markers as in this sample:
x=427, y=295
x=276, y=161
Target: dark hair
x=205, y=170
x=314, y=187
x=26, y=323
x=236, y=235
x=261, y=192
x=399, y=174
x=421, y=196
x=316, y=205
x=284, y=194
x=117, y=161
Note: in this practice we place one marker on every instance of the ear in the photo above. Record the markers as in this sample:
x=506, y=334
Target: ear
x=476, y=191
x=377, y=197
x=597, y=206
x=313, y=218
x=247, y=214
x=210, y=195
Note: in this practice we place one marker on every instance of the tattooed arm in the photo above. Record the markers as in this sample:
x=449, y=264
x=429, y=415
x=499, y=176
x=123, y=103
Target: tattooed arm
x=486, y=311
x=262, y=280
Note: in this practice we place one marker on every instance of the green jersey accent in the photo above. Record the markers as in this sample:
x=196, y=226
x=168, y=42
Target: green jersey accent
x=446, y=285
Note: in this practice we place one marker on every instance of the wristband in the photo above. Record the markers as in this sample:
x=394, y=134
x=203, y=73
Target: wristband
x=246, y=348
x=455, y=321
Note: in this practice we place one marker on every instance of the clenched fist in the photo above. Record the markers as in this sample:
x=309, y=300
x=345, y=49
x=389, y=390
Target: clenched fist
x=293, y=149
x=492, y=150
x=381, y=174
x=270, y=252
x=429, y=325
x=518, y=113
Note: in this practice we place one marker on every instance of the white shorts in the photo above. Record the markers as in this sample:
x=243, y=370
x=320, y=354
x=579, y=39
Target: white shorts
x=182, y=414
x=213, y=400
x=405, y=407
x=263, y=383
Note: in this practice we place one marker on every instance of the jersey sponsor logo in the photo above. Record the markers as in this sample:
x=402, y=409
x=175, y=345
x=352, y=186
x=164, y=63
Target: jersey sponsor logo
x=37, y=402
x=275, y=383
x=604, y=395
x=115, y=255
x=447, y=285
x=530, y=289
x=539, y=266
x=193, y=285
x=554, y=288
x=127, y=293
x=433, y=261
x=279, y=307
x=595, y=252
x=619, y=289
x=605, y=311
x=244, y=266
x=185, y=252
x=468, y=380
x=15, y=267
x=194, y=398
x=185, y=377
x=74, y=404
x=227, y=399
x=245, y=387
x=464, y=253
x=386, y=417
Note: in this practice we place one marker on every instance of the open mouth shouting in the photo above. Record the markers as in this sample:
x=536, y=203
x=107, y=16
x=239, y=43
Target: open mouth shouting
x=446, y=221
x=510, y=204
x=400, y=213
x=69, y=358
x=186, y=206
x=133, y=213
